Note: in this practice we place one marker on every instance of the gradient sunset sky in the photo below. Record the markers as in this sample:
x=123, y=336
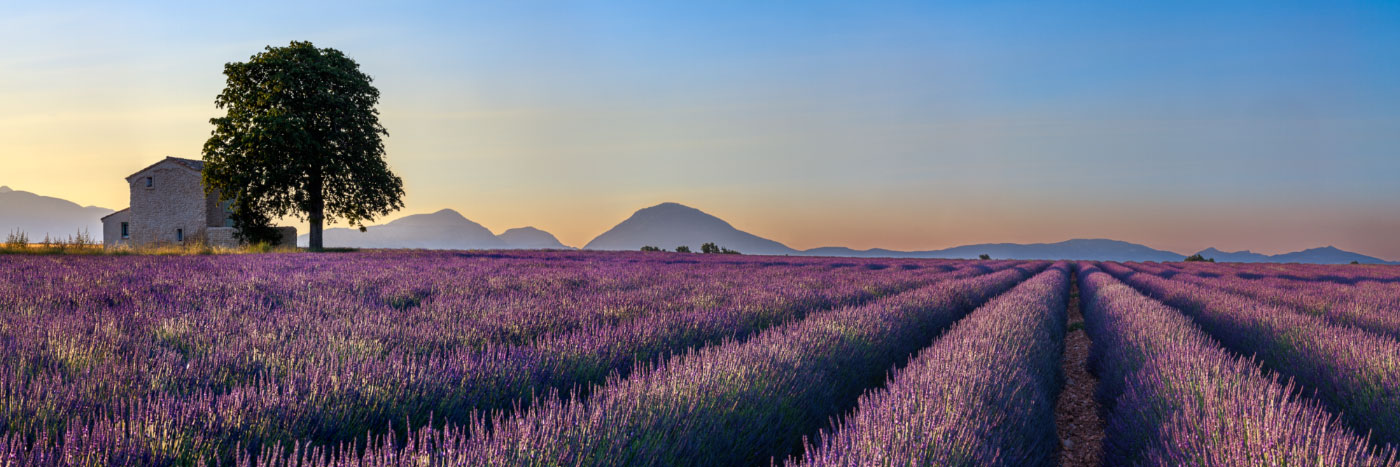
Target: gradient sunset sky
x=1272, y=126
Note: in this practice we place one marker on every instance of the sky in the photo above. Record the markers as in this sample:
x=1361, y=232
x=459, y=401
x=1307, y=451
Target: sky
x=1272, y=126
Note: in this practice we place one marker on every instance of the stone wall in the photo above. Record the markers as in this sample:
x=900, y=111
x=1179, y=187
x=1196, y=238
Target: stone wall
x=112, y=228
x=175, y=200
x=222, y=237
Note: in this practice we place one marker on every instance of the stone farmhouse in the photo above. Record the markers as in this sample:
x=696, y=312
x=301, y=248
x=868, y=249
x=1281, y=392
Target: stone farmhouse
x=169, y=207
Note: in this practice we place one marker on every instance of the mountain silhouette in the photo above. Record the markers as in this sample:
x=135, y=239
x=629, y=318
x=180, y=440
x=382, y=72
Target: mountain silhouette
x=668, y=225
x=442, y=230
x=1243, y=256
x=530, y=238
x=37, y=216
x=1324, y=255
x=1082, y=249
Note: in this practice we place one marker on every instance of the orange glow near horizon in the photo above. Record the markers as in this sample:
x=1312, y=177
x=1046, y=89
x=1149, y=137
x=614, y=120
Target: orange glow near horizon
x=912, y=127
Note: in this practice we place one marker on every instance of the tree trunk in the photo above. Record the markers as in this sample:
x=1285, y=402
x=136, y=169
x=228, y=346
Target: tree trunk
x=318, y=212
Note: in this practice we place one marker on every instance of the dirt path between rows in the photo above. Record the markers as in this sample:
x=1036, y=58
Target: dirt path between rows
x=1077, y=420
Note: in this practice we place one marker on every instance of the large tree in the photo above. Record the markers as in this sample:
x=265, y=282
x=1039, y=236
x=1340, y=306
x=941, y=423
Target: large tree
x=301, y=138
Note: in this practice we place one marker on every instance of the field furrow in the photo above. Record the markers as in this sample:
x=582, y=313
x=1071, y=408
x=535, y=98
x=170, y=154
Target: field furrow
x=1356, y=372
x=982, y=394
x=1176, y=397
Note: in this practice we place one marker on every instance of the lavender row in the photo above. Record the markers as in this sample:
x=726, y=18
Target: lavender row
x=213, y=353
x=739, y=403
x=455, y=388
x=1370, y=305
x=1357, y=373
x=983, y=394
x=1175, y=397
x=1339, y=274
x=476, y=299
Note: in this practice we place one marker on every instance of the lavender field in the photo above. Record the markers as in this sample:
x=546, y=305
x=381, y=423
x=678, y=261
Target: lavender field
x=626, y=358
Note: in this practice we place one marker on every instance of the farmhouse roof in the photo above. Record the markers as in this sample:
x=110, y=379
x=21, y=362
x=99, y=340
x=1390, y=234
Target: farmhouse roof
x=114, y=213
x=192, y=164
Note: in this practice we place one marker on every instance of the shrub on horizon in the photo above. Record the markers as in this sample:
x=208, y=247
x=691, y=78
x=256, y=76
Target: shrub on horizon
x=17, y=239
x=711, y=247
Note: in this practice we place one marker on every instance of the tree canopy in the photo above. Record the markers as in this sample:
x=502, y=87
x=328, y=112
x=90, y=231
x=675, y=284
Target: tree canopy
x=301, y=137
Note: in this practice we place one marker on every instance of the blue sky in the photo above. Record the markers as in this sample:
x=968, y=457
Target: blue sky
x=1273, y=126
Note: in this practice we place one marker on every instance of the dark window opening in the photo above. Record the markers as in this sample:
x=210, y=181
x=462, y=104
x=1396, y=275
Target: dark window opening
x=179, y=235
x=125, y=230
x=148, y=182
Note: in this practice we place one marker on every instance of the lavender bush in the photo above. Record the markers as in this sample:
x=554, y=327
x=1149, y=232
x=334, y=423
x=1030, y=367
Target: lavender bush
x=738, y=403
x=1370, y=302
x=187, y=359
x=1175, y=397
x=983, y=394
x=1356, y=372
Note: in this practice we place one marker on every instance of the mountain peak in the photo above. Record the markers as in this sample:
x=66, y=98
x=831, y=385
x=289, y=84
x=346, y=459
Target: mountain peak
x=669, y=224
x=5, y=189
x=448, y=213
x=670, y=208
x=1323, y=249
x=676, y=213
x=444, y=217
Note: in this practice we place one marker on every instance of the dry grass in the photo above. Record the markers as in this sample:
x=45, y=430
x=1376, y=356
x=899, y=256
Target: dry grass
x=18, y=243
x=158, y=250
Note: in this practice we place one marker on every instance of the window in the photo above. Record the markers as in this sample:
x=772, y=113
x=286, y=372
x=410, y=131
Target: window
x=126, y=233
x=179, y=235
x=148, y=182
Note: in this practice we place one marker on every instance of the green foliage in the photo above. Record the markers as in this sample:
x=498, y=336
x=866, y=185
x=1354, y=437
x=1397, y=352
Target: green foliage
x=984, y=256
x=651, y=248
x=682, y=249
x=1355, y=262
x=711, y=247
x=301, y=137
x=1198, y=258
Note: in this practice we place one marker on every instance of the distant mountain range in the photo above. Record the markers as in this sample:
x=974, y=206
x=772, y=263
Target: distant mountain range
x=1085, y=249
x=442, y=230
x=38, y=216
x=666, y=225
x=1324, y=255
